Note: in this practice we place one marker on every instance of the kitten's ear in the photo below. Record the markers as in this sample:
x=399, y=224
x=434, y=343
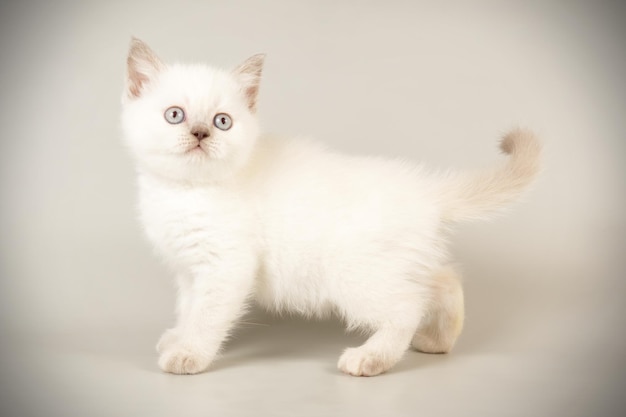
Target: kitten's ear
x=143, y=66
x=249, y=76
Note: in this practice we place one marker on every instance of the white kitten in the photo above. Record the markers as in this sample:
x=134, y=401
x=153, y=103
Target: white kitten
x=292, y=224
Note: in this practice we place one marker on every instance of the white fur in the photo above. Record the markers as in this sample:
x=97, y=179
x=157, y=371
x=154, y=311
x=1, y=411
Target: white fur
x=296, y=226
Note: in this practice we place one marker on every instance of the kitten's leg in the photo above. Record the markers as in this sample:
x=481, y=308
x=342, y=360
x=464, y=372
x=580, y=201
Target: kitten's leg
x=433, y=305
x=213, y=301
x=392, y=307
x=183, y=306
x=443, y=322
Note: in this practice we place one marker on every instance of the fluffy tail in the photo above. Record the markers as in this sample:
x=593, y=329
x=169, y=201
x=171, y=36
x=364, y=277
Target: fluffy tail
x=474, y=195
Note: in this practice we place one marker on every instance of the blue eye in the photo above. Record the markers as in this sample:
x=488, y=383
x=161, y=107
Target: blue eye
x=222, y=121
x=174, y=115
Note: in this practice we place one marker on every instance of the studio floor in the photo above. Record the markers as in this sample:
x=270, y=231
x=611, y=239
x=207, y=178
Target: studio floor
x=553, y=359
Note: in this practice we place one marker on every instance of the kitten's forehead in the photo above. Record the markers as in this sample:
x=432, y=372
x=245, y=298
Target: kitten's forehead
x=199, y=84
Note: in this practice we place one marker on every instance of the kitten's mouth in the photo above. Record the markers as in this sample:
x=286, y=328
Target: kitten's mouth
x=196, y=149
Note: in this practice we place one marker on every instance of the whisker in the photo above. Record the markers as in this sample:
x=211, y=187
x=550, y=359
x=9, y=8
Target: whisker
x=254, y=324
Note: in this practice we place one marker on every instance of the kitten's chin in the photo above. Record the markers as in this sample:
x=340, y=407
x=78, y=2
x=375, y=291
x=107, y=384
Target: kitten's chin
x=195, y=165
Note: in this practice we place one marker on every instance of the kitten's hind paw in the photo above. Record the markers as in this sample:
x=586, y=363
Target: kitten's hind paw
x=427, y=344
x=183, y=361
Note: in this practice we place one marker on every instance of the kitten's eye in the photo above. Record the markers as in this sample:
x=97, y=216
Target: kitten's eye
x=174, y=115
x=222, y=121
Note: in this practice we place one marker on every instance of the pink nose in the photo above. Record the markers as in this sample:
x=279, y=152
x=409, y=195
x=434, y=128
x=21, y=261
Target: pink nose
x=200, y=132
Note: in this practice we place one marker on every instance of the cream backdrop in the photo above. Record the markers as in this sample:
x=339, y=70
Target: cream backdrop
x=83, y=300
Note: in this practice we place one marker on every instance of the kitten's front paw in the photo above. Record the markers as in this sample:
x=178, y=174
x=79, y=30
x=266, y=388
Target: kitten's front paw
x=358, y=362
x=183, y=361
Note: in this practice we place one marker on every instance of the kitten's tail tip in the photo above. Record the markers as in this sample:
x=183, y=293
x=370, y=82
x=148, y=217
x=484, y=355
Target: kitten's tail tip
x=473, y=196
x=521, y=140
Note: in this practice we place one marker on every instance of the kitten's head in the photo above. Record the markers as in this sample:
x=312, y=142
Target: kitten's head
x=189, y=123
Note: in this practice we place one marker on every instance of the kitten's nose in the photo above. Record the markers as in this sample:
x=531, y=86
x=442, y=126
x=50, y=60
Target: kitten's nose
x=200, y=132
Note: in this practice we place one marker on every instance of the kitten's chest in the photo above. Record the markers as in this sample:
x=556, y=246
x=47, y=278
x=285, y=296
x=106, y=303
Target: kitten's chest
x=189, y=225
